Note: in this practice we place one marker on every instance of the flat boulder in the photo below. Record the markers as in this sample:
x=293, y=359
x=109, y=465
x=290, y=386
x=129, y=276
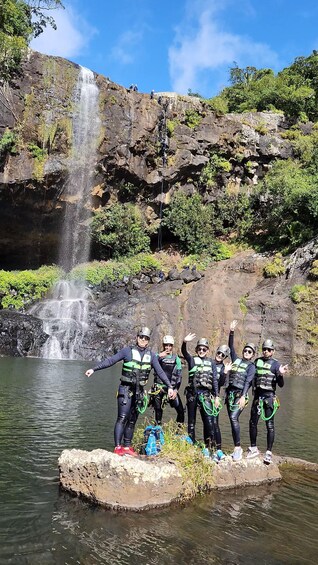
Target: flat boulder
x=129, y=483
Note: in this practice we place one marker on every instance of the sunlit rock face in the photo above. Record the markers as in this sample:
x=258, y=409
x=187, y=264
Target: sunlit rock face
x=147, y=149
x=126, y=483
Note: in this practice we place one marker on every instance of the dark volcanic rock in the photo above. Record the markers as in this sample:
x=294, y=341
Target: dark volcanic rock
x=20, y=334
x=129, y=165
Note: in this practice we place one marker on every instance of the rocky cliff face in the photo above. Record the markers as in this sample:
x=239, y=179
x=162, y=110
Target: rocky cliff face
x=148, y=148
x=230, y=289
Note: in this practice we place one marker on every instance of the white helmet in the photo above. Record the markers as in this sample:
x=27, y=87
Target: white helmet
x=144, y=331
x=168, y=340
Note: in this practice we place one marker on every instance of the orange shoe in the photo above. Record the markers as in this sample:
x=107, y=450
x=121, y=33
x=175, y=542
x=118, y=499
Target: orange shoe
x=119, y=450
x=129, y=451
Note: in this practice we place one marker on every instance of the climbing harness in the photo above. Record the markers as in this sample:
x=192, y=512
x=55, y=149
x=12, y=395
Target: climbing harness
x=142, y=403
x=206, y=407
x=261, y=409
x=235, y=405
x=154, y=391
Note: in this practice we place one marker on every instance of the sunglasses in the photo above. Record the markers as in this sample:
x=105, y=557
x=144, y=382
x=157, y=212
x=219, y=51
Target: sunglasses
x=221, y=354
x=250, y=351
x=267, y=349
x=168, y=345
x=144, y=337
x=204, y=349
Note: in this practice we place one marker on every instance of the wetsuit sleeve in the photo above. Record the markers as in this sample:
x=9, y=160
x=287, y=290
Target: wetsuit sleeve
x=109, y=361
x=222, y=378
x=231, y=346
x=215, y=378
x=279, y=377
x=159, y=371
x=249, y=378
x=177, y=373
x=186, y=355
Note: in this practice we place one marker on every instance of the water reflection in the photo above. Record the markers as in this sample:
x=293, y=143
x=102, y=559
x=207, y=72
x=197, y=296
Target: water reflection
x=49, y=405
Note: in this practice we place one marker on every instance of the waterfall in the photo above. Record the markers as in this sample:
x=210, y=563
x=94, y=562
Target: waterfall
x=65, y=312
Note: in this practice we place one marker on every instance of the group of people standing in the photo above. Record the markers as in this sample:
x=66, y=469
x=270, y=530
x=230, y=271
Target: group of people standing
x=206, y=376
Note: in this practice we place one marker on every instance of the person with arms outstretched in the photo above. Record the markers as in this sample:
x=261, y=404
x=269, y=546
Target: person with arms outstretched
x=138, y=360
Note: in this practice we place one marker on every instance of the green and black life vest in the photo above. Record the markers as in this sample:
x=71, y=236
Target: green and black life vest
x=264, y=378
x=238, y=373
x=137, y=370
x=218, y=370
x=201, y=375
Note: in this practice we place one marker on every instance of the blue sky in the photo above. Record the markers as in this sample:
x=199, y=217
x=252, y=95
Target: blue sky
x=174, y=45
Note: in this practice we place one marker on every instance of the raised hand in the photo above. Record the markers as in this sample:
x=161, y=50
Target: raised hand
x=227, y=367
x=283, y=369
x=189, y=337
x=233, y=325
x=89, y=372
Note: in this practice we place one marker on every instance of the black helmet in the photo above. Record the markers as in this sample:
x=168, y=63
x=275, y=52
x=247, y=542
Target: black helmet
x=224, y=349
x=144, y=331
x=203, y=341
x=268, y=344
x=250, y=345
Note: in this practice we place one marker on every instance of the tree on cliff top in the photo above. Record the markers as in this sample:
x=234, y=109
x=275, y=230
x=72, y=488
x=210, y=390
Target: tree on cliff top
x=20, y=21
x=293, y=91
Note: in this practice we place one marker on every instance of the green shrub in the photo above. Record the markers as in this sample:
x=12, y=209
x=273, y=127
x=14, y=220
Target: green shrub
x=170, y=125
x=190, y=222
x=275, y=267
x=285, y=206
x=219, y=105
x=120, y=230
x=216, y=165
x=313, y=273
x=192, y=118
x=20, y=288
x=299, y=293
x=107, y=271
x=8, y=142
x=243, y=304
x=37, y=152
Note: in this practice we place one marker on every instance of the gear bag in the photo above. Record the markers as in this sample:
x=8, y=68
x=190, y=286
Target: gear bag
x=153, y=439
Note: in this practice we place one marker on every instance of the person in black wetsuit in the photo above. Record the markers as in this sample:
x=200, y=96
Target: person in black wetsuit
x=138, y=361
x=222, y=352
x=202, y=379
x=269, y=373
x=171, y=364
x=240, y=379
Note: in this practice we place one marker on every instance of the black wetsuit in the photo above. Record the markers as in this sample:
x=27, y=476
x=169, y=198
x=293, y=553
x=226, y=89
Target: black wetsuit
x=198, y=395
x=171, y=365
x=236, y=389
x=267, y=376
x=129, y=394
x=215, y=419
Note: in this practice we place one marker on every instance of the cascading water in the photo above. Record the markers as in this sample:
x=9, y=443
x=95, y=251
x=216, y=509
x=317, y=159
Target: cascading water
x=65, y=313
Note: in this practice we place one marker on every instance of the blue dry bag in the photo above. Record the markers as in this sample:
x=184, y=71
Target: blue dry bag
x=154, y=439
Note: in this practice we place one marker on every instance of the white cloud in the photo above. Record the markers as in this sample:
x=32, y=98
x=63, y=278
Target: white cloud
x=70, y=37
x=123, y=52
x=202, y=45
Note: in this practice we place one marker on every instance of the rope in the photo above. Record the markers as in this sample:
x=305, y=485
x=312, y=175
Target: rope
x=276, y=405
x=235, y=405
x=162, y=139
x=142, y=404
x=209, y=411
